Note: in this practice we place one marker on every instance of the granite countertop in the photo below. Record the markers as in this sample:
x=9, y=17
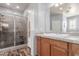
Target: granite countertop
x=62, y=37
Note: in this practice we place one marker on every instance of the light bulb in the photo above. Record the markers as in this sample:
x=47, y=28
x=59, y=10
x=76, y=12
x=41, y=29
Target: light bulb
x=17, y=7
x=8, y=3
x=61, y=8
x=56, y=5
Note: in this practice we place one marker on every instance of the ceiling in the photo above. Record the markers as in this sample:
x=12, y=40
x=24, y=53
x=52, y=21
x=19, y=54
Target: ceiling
x=66, y=7
x=12, y=6
x=57, y=10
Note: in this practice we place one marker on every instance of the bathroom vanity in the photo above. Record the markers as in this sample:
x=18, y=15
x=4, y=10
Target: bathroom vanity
x=57, y=45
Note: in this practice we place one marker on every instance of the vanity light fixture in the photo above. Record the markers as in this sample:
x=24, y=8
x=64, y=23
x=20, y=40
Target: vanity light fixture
x=17, y=7
x=29, y=11
x=8, y=3
x=61, y=8
x=60, y=3
x=73, y=9
x=56, y=5
x=4, y=25
x=15, y=13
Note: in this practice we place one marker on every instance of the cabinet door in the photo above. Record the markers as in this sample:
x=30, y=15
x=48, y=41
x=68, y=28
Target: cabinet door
x=45, y=47
x=75, y=49
x=38, y=45
x=59, y=52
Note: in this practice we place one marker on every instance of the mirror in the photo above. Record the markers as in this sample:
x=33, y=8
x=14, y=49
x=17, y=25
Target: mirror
x=64, y=18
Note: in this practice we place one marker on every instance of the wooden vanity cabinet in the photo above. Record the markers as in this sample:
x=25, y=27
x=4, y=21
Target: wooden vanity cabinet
x=45, y=47
x=59, y=52
x=52, y=47
x=75, y=50
x=70, y=49
x=58, y=48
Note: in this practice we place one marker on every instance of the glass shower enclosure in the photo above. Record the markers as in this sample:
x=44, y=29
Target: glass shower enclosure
x=13, y=30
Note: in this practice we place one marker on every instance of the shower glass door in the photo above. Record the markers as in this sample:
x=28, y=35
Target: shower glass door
x=7, y=31
x=13, y=31
x=20, y=31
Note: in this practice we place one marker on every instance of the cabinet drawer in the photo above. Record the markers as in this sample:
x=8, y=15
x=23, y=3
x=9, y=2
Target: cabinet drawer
x=45, y=39
x=59, y=52
x=60, y=44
